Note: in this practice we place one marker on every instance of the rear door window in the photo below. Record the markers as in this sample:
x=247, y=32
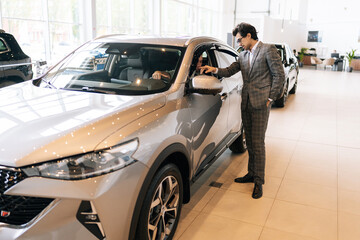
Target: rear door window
x=3, y=47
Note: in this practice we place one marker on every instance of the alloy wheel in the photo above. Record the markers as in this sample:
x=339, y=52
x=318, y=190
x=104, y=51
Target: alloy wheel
x=163, y=209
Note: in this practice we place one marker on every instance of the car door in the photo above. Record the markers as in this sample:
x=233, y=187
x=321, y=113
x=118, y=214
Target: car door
x=209, y=118
x=225, y=57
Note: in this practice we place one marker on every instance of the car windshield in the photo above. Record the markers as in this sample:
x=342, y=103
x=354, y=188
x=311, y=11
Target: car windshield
x=116, y=68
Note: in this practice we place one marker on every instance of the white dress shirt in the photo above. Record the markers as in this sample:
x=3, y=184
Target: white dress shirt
x=251, y=52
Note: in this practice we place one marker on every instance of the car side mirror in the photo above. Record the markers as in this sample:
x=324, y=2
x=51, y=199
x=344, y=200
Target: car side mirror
x=204, y=84
x=291, y=61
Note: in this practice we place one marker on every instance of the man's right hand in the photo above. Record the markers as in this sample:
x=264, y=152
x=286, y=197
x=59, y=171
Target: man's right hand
x=207, y=69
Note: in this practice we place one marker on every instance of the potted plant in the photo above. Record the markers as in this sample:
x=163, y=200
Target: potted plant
x=350, y=55
x=301, y=56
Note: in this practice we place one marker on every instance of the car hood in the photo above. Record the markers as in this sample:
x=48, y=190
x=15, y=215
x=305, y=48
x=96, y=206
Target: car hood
x=41, y=124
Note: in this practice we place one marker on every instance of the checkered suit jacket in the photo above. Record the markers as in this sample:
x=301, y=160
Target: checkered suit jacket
x=263, y=79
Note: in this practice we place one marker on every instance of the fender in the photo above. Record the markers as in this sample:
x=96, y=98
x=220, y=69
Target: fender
x=160, y=160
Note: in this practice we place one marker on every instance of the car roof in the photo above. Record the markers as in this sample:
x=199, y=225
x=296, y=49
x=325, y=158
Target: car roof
x=181, y=41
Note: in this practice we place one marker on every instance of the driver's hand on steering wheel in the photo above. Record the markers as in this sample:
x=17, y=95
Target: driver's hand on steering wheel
x=159, y=74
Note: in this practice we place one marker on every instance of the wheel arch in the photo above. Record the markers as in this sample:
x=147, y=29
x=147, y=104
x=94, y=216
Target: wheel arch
x=176, y=154
x=13, y=78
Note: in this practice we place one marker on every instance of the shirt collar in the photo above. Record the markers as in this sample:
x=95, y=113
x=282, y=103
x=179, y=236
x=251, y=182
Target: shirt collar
x=253, y=49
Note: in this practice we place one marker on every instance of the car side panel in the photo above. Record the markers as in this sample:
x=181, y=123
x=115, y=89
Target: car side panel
x=209, y=116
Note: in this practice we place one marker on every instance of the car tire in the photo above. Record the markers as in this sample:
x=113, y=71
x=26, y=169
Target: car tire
x=293, y=90
x=281, y=101
x=160, y=213
x=239, y=145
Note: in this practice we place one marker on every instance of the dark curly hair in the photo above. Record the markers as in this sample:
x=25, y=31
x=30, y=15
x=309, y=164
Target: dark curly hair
x=244, y=28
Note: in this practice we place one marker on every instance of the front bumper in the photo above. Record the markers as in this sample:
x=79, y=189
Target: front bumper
x=113, y=197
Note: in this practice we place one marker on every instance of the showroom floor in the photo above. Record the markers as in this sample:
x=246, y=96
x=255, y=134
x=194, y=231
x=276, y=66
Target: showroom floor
x=312, y=188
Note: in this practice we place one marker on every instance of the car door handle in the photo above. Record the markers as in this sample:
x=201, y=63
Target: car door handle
x=224, y=96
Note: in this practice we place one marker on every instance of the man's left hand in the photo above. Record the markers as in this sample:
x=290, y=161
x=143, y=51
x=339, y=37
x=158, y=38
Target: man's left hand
x=268, y=103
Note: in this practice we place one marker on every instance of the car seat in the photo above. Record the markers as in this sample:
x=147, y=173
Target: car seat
x=134, y=69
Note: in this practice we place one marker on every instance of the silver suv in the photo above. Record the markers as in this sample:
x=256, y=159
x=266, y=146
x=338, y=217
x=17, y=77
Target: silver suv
x=97, y=148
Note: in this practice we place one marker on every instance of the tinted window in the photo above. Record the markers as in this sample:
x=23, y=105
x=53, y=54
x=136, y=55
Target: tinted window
x=116, y=68
x=224, y=58
x=2, y=46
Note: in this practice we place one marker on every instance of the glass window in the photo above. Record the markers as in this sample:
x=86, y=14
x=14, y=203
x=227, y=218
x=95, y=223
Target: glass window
x=27, y=21
x=49, y=29
x=210, y=4
x=30, y=36
x=224, y=59
x=64, y=27
x=26, y=24
x=22, y=9
x=122, y=16
x=116, y=68
x=63, y=39
x=186, y=1
x=200, y=59
x=2, y=46
x=64, y=11
x=176, y=18
x=142, y=19
x=205, y=20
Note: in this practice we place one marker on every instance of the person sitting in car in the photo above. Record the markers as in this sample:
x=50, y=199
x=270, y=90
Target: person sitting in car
x=167, y=75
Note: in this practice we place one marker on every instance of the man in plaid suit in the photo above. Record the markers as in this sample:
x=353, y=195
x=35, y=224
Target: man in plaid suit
x=263, y=76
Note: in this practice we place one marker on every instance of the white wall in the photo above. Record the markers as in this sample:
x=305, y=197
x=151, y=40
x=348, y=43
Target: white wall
x=269, y=30
x=339, y=22
x=290, y=32
x=274, y=29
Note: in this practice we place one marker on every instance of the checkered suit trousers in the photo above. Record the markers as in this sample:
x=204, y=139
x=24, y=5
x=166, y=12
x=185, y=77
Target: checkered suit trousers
x=255, y=122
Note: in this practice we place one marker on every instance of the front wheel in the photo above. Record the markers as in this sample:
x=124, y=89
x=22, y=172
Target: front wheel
x=239, y=145
x=160, y=212
x=281, y=101
x=293, y=90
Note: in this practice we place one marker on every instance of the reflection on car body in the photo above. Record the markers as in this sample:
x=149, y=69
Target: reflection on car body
x=107, y=151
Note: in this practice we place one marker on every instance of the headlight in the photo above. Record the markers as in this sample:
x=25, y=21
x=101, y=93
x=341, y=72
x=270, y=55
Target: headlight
x=87, y=165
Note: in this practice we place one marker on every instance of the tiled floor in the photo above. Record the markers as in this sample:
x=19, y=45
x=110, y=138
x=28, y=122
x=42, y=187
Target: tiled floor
x=312, y=188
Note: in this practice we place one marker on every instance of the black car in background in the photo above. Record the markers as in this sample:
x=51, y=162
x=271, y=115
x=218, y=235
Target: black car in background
x=291, y=69
x=15, y=65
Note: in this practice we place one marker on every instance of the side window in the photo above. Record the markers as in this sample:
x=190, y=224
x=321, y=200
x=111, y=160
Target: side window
x=286, y=56
x=3, y=47
x=224, y=59
x=201, y=58
x=289, y=54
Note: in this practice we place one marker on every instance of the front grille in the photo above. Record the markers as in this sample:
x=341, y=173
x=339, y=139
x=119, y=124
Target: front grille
x=9, y=178
x=18, y=210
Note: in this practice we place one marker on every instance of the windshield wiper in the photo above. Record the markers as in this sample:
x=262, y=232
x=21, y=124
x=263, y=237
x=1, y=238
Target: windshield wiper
x=49, y=84
x=97, y=90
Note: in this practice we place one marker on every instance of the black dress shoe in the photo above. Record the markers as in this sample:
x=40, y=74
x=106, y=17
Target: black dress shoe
x=245, y=179
x=258, y=192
